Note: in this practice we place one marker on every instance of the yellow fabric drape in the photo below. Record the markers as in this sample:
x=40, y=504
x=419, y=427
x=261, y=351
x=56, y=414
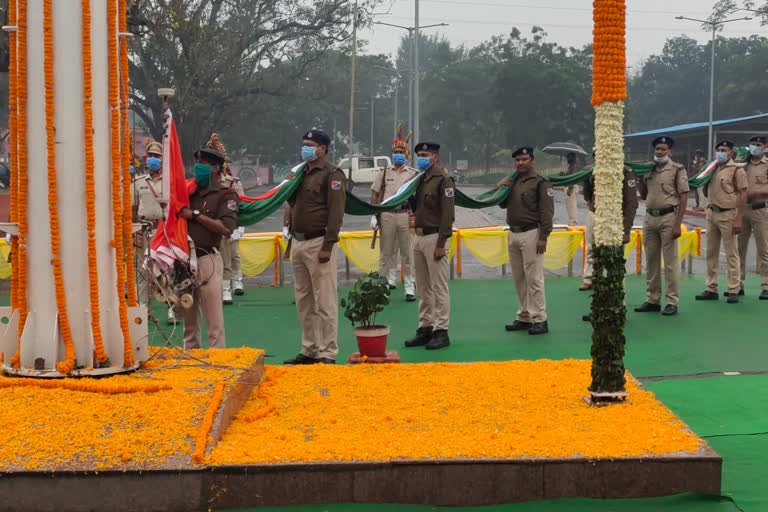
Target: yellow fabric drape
x=631, y=247
x=257, y=252
x=357, y=246
x=5, y=266
x=561, y=246
x=491, y=249
x=688, y=243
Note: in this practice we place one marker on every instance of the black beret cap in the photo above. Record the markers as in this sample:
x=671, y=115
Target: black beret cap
x=433, y=147
x=758, y=138
x=523, y=150
x=664, y=139
x=725, y=143
x=319, y=136
x=211, y=154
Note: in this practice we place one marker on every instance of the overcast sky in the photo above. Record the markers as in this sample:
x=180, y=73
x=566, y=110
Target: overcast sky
x=567, y=22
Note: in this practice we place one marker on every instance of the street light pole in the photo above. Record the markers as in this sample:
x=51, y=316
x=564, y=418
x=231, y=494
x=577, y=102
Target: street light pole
x=714, y=25
x=372, y=155
x=352, y=89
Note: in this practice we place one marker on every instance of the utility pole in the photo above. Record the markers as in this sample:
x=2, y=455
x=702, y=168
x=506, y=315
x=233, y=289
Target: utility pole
x=416, y=109
x=352, y=89
x=372, y=127
x=714, y=25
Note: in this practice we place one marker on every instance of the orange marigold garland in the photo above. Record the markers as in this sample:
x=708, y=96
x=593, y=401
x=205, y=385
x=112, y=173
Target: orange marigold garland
x=12, y=112
x=50, y=132
x=90, y=188
x=126, y=160
x=87, y=385
x=20, y=156
x=265, y=393
x=201, y=439
x=609, y=61
x=117, y=203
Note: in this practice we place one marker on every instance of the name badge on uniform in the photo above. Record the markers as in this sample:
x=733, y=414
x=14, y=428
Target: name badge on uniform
x=231, y=204
x=631, y=183
x=551, y=192
x=449, y=192
x=335, y=185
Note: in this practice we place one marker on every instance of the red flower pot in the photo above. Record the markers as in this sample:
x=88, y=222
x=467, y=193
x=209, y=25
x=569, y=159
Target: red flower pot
x=372, y=341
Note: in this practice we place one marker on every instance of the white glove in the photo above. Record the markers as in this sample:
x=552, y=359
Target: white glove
x=236, y=234
x=8, y=238
x=285, y=233
x=374, y=222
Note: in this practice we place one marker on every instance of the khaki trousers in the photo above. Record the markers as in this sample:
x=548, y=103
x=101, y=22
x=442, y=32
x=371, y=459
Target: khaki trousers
x=431, y=283
x=142, y=281
x=755, y=222
x=317, y=299
x=207, y=298
x=658, y=240
x=572, y=204
x=230, y=253
x=589, y=237
x=720, y=228
x=395, y=237
x=528, y=273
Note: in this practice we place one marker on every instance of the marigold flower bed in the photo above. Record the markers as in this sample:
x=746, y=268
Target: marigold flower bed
x=89, y=424
x=510, y=409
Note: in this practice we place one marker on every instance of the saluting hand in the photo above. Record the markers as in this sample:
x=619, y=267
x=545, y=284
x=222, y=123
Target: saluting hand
x=440, y=253
x=541, y=246
x=324, y=256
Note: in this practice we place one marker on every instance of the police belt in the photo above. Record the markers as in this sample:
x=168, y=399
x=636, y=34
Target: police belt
x=427, y=231
x=204, y=251
x=758, y=206
x=716, y=208
x=523, y=229
x=658, y=212
x=303, y=237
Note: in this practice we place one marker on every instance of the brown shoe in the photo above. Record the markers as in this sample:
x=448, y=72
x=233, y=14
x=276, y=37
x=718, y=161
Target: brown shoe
x=585, y=287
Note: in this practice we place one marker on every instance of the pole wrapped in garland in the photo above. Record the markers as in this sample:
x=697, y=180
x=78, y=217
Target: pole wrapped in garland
x=608, y=94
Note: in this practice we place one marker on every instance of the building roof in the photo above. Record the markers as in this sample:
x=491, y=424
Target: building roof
x=693, y=126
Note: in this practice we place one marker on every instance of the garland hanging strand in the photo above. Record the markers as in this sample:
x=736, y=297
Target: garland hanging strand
x=126, y=160
x=50, y=142
x=609, y=82
x=90, y=187
x=117, y=203
x=21, y=172
x=12, y=113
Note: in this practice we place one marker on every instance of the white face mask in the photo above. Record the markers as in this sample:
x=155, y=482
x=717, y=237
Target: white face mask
x=661, y=159
x=755, y=150
x=721, y=156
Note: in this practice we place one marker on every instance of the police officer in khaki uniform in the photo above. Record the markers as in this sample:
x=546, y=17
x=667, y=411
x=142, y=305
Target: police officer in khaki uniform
x=628, y=208
x=434, y=209
x=727, y=193
x=756, y=213
x=395, y=225
x=317, y=212
x=665, y=191
x=572, y=191
x=530, y=208
x=212, y=214
x=147, y=189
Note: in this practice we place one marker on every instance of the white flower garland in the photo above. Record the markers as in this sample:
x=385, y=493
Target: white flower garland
x=609, y=173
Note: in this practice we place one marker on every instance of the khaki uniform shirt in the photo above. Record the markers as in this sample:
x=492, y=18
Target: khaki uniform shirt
x=318, y=203
x=757, y=174
x=530, y=202
x=216, y=202
x=434, y=204
x=665, y=183
x=145, y=191
x=629, y=197
x=723, y=189
x=395, y=178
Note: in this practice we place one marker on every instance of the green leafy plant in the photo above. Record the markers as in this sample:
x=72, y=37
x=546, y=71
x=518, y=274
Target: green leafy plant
x=367, y=298
x=609, y=314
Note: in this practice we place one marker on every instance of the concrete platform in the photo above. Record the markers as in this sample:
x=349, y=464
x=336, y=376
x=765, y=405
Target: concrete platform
x=468, y=482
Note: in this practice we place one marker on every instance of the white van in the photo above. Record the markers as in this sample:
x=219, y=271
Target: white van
x=364, y=168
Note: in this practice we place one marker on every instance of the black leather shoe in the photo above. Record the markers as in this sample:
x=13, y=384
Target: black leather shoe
x=728, y=294
x=517, y=325
x=764, y=295
x=239, y=292
x=410, y=298
x=587, y=318
x=439, y=340
x=423, y=335
x=707, y=295
x=733, y=298
x=301, y=359
x=647, y=307
x=325, y=360
x=669, y=310
x=539, y=328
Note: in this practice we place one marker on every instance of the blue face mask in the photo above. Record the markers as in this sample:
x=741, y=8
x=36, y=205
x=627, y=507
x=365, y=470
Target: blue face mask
x=308, y=153
x=424, y=163
x=721, y=156
x=399, y=159
x=154, y=163
x=755, y=150
x=133, y=170
x=203, y=175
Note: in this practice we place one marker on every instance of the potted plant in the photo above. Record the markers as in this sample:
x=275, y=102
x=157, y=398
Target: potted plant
x=367, y=298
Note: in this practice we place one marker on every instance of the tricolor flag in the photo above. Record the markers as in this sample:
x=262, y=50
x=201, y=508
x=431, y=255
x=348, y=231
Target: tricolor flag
x=272, y=192
x=706, y=171
x=170, y=241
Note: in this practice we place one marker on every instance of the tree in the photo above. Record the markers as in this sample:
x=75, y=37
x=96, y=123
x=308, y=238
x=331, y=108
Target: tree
x=224, y=57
